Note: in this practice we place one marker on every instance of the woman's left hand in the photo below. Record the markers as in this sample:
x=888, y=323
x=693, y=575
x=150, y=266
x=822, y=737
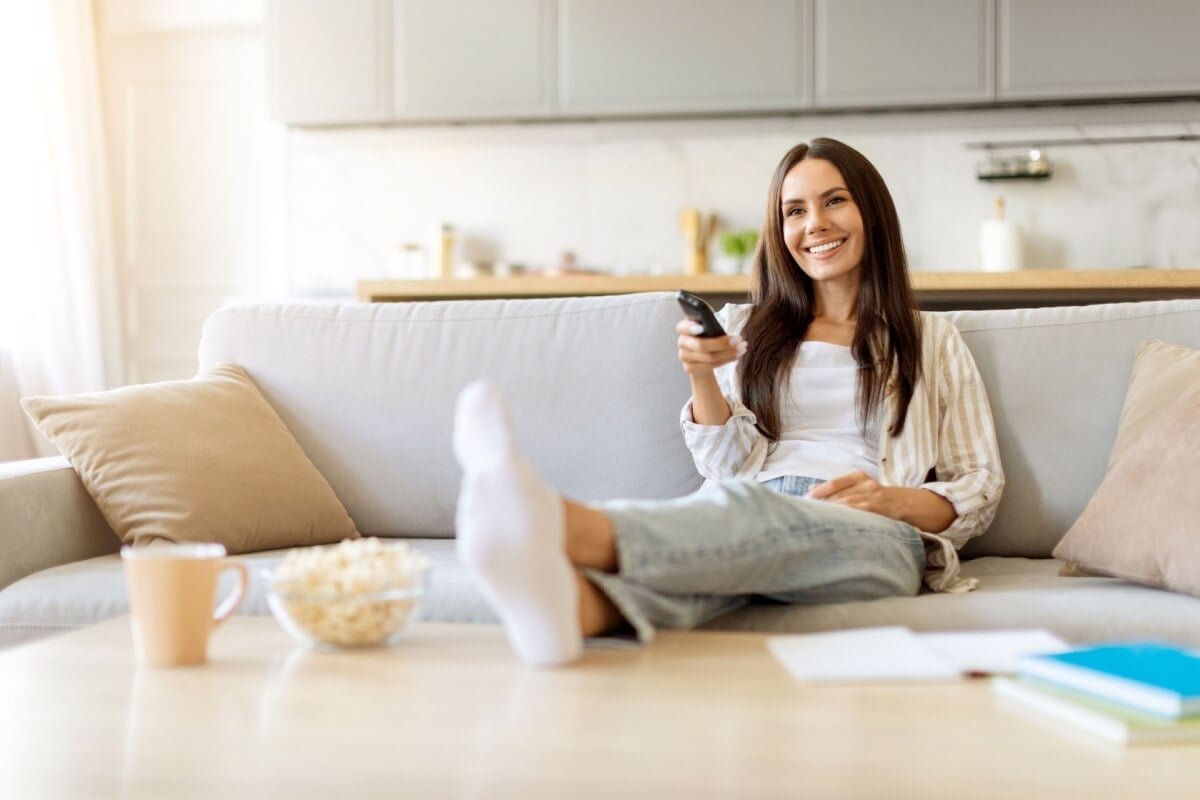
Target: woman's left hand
x=857, y=490
x=920, y=508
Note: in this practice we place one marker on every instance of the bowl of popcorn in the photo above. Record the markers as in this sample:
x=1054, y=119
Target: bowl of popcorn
x=358, y=593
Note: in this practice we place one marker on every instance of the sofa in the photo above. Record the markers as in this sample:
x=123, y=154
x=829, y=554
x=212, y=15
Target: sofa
x=595, y=390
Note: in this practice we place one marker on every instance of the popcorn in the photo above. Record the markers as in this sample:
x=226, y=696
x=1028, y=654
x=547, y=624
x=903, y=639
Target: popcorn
x=356, y=592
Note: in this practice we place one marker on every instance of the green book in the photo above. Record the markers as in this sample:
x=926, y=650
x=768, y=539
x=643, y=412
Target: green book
x=1110, y=721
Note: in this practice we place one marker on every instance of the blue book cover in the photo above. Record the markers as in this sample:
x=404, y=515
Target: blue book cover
x=1157, y=678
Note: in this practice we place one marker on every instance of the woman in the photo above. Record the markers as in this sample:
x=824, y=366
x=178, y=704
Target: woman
x=846, y=438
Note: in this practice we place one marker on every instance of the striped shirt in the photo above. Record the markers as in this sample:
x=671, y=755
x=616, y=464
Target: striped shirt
x=948, y=435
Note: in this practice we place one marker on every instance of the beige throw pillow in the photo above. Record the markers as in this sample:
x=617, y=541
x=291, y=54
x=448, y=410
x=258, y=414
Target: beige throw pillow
x=1143, y=523
x=205, y=459
x=1161, y=373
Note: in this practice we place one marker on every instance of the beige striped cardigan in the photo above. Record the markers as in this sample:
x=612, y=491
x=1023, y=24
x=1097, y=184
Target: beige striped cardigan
x=948, y=435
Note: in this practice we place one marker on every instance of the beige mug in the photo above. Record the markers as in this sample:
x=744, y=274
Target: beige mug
x=171, y=592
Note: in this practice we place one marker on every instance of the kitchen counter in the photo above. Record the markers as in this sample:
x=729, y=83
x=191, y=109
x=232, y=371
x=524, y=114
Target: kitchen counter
x=935, y=290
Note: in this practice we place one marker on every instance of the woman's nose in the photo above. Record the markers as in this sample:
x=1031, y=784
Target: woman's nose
x=816, y=220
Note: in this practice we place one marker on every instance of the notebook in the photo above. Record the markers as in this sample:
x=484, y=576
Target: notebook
x=1156, y=678
x=896, y=654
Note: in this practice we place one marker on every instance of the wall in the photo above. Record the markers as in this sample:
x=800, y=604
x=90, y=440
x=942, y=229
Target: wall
x=193, y=178
x=611, y=192
x=214, y=202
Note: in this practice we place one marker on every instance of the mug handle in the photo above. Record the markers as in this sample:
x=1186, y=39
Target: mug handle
x=230, y=603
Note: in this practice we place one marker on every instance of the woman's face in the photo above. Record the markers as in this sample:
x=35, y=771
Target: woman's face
x=822, y=226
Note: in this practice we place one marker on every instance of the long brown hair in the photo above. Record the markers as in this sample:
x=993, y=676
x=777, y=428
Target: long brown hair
x=887, y=337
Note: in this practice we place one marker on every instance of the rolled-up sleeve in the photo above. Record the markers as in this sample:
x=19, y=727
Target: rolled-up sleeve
x=968, y=457
x=722, y=451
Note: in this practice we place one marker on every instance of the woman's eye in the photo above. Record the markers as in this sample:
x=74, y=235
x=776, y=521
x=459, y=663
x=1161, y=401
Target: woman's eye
x=795, y=212
x=835, y=200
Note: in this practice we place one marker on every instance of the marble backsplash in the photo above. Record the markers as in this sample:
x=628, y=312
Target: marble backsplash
x=611, y=192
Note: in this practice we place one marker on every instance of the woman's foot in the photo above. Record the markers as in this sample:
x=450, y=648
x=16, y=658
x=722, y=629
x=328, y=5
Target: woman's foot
x=510, y=532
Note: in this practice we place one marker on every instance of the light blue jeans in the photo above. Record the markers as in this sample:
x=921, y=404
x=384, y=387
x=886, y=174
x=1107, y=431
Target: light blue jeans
x=686, y=561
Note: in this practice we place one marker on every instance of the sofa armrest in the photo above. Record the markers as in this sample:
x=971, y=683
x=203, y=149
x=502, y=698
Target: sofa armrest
x=47, y=518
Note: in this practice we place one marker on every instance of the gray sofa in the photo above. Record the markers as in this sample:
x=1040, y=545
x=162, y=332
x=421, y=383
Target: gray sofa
x=595, y=389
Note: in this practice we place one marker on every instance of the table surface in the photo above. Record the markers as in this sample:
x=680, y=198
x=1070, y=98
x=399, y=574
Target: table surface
x=450, y=713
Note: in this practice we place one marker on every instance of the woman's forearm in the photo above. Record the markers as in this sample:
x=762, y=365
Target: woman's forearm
x=708, y=404
x=922, y=509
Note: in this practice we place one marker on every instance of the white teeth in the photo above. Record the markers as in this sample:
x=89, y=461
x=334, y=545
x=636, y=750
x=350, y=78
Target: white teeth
x=825, y=248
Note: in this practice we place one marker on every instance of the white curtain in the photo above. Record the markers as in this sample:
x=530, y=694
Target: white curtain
x=58, y=331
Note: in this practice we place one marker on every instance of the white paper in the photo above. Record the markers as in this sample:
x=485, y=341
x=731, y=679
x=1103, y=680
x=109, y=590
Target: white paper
x=991, y=652
x=892, y=654
x=896, y=654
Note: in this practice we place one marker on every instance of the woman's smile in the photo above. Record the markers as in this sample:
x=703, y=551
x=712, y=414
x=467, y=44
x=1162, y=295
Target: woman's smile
x=825, y=249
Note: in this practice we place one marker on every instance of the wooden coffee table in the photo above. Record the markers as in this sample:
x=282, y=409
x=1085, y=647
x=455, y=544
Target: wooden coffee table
x=450, y=713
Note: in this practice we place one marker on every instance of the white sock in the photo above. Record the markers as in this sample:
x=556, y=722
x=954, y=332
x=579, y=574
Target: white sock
x=510, y=534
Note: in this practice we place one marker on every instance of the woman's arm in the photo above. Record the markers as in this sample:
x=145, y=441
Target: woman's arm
x=701, y=356
x=957, y=443
x=921, y=508
x=717, y=428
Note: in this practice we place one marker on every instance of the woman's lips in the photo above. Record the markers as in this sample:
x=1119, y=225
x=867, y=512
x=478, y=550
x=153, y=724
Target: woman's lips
x=825, y=249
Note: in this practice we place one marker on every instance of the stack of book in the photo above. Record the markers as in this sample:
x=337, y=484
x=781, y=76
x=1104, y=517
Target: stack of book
x=1127, y=693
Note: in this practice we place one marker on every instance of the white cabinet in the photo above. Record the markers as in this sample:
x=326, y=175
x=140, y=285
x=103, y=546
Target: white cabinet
x=329, y=61
x=667, y=56
x=471, y=59
x=918, y=52
x=1098, y=48
x=378, y=61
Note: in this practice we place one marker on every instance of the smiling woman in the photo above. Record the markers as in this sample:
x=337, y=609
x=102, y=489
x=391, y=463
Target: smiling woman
x=846, y=440
x=833, y=269
x=56, y=262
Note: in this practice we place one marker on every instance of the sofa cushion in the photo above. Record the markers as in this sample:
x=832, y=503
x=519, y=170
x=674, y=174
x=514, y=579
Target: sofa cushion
x=197, y=460
x=1056, y=381
x=369, y=389
x=1013, y=593
x=86, y=592
x=1142, y=524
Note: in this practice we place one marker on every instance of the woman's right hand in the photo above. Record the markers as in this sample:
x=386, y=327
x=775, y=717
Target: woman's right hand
x=701, y=355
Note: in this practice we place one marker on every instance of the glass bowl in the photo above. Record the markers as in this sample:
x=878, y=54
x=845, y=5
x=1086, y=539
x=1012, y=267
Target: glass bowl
x=362, y=619
x=359, y=593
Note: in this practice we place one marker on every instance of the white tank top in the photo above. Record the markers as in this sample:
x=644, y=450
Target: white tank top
x=820, y=436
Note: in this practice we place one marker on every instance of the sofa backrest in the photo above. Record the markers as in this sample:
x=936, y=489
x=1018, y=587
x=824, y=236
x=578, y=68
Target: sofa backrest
x=1056, y=381
x=595, y=390
x=368, y=390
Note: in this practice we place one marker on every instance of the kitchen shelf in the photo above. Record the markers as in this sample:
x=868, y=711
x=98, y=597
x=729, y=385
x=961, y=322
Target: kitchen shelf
x=935, y=290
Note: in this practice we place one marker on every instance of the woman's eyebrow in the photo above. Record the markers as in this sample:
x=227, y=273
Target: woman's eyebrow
x=825, y=193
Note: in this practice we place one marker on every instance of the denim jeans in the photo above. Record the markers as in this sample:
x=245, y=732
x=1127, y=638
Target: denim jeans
x=686, y=561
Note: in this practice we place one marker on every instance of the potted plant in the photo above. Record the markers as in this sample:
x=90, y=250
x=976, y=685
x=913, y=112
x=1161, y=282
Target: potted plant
x=736, y=248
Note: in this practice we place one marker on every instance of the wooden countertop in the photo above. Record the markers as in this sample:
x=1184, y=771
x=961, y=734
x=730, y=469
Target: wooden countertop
x=542, y=286
x=1049, y=286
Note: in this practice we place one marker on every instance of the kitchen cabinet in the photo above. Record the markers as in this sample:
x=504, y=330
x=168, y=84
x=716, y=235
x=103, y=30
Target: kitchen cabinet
x=473, y=59
x=670, y=56
x=329, y=63
x=919, y=52
x=1072, y=49
x=380, y=61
